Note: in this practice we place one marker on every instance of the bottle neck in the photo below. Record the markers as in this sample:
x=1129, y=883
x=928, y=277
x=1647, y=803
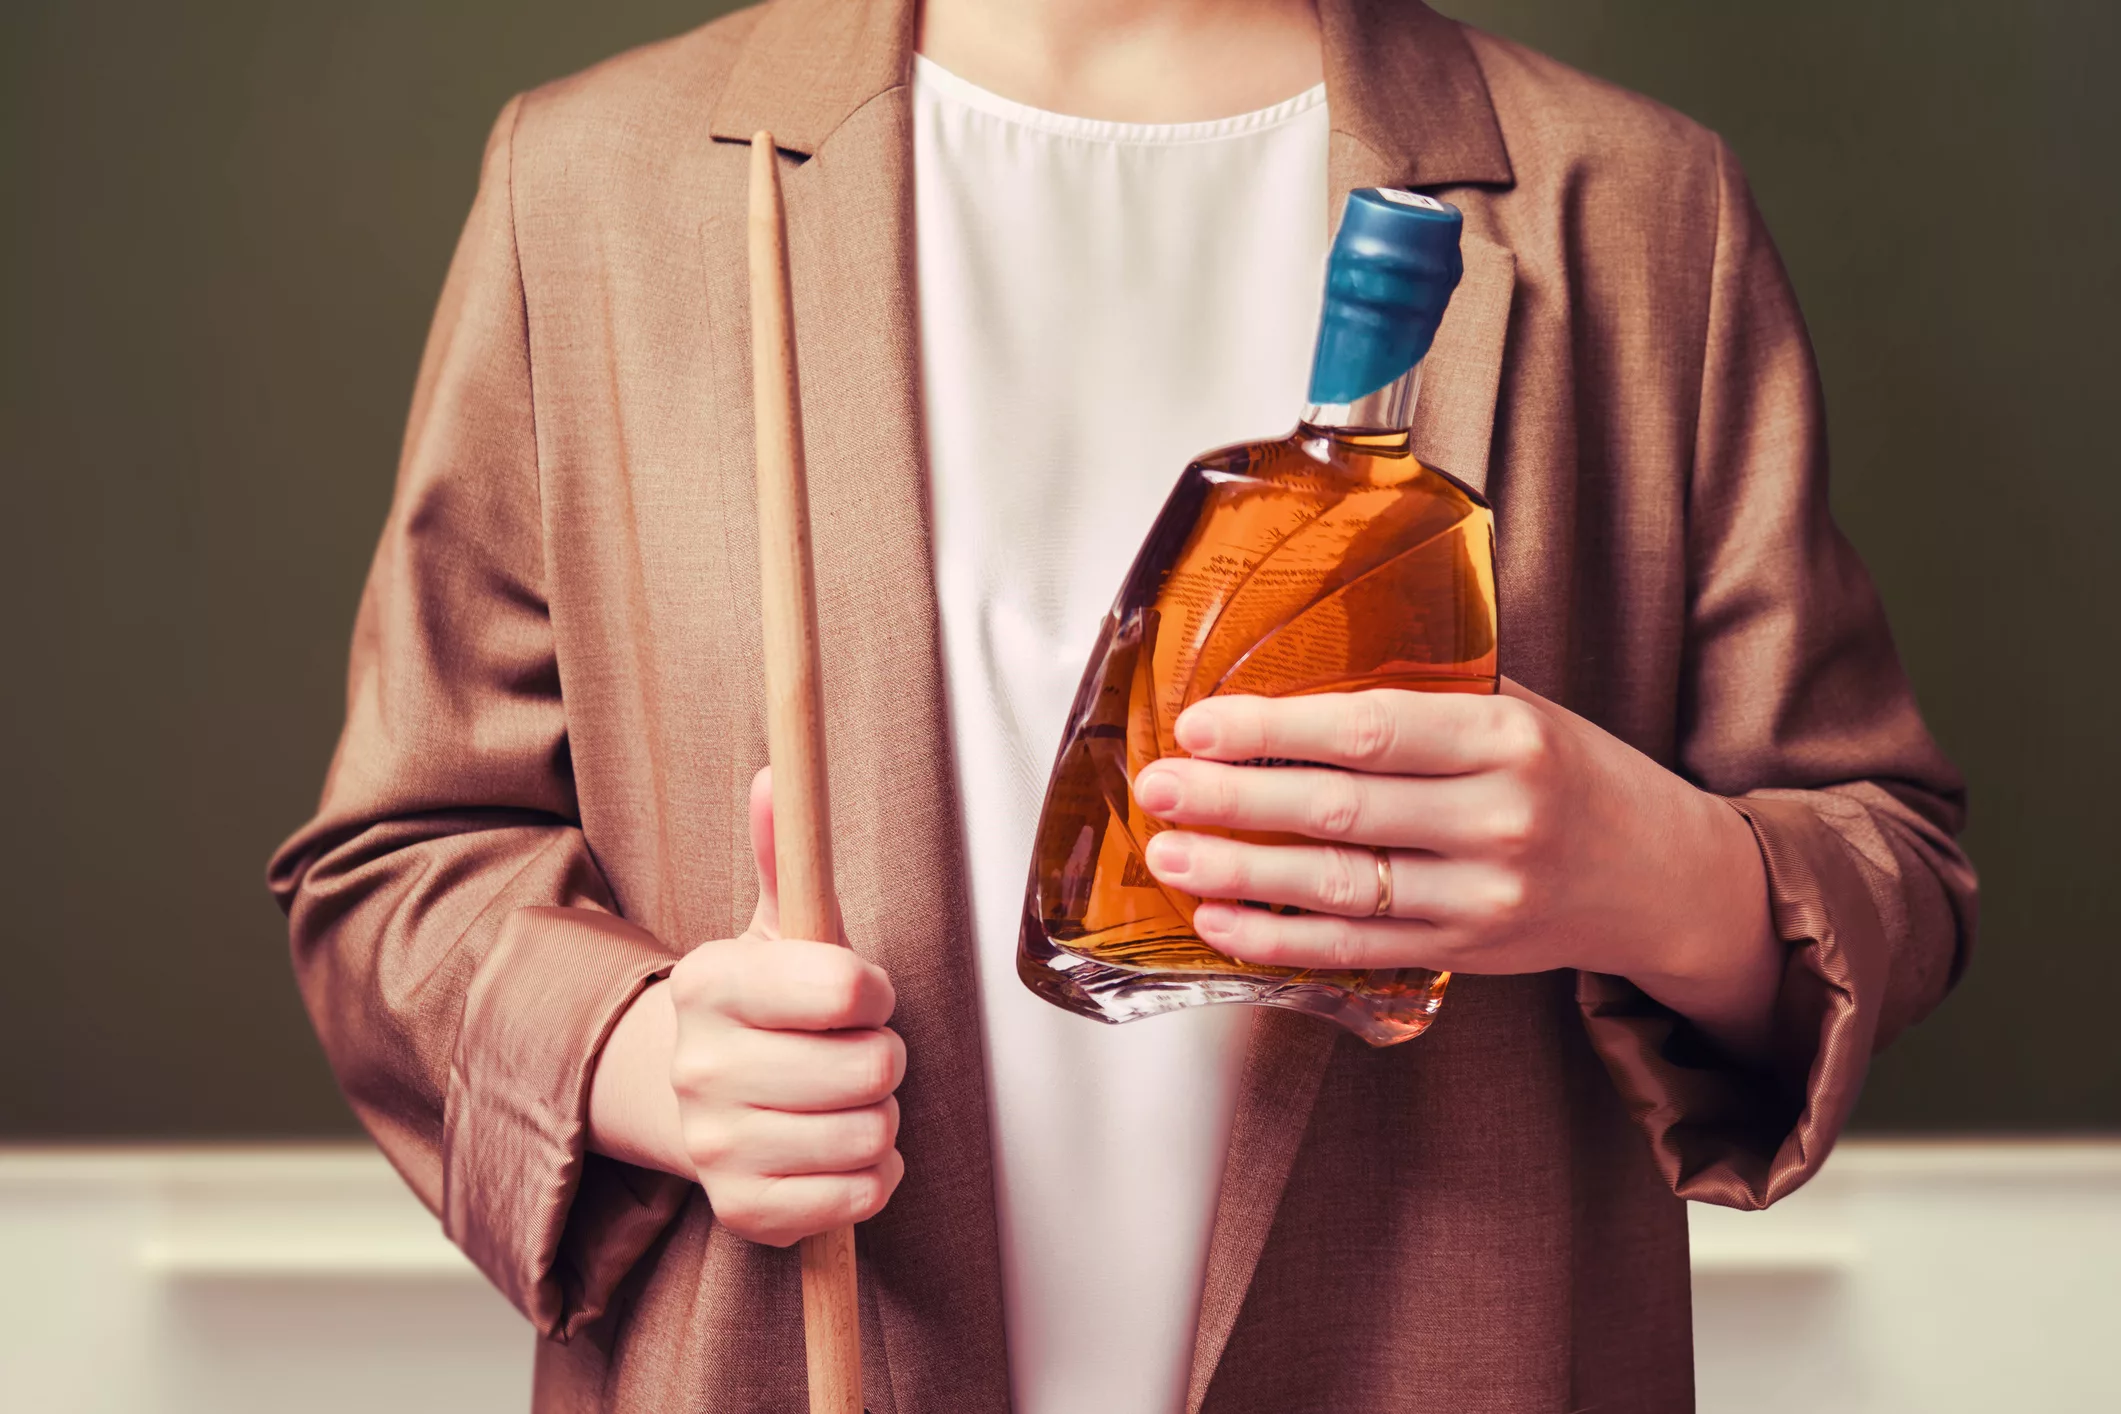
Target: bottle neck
x=1380, y=419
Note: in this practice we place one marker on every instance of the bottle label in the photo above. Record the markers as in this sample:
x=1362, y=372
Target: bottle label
x=1410, y=198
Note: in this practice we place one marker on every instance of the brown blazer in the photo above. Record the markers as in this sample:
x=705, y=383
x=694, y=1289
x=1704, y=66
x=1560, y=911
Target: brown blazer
x=554, y=709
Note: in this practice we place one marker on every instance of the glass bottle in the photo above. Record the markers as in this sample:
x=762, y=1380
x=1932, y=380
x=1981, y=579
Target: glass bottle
x=1330, y=560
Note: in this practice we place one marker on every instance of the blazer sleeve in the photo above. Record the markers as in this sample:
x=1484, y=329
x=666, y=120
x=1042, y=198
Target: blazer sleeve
x=1795, y=708
x=457, y=947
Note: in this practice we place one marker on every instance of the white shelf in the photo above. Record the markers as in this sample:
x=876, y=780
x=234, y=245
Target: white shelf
x=339, y=1212
x=1949, y=1277
x=314, y=1256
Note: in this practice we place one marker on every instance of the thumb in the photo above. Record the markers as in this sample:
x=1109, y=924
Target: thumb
x=766, y=918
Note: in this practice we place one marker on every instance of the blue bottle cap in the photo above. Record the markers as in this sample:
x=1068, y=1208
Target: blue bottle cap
x=1388, y=279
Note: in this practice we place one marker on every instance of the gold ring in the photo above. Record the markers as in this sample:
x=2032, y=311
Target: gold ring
x=1384, y=884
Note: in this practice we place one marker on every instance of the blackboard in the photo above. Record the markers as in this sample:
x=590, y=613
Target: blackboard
x=225, y=225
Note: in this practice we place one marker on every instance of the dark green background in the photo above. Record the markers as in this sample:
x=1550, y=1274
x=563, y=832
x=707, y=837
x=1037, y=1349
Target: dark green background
x=225, y=225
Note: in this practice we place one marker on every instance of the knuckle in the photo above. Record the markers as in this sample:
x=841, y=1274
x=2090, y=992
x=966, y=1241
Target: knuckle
x=1339, y=883
x=1336, y=809
x=1502, y=898
x=896, y=1046
x=1520, y=733
x=1512, y=825
x=741, y=1209
x=869, y=1135
x=709, y=1143
x=698, y=1071
x=881, y=980
x=866, y=1195
x=875, y=1067
x=1367, y=730
x=695, y=980
x=891, y=1122
x=839, y=996
x=1344, y=948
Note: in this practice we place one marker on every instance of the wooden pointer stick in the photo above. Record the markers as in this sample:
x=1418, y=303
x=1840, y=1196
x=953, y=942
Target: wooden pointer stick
x=795, y=728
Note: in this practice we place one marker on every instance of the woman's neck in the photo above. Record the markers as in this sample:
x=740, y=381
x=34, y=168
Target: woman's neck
x=1129, y=61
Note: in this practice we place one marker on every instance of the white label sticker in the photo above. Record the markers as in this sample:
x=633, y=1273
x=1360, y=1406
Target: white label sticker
x=1410, y=198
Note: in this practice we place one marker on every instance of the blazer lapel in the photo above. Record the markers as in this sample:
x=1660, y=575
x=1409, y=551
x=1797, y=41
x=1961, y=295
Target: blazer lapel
x=828, y=79
x=1454, y=421
x=1409, y=108
x=1285, y=1060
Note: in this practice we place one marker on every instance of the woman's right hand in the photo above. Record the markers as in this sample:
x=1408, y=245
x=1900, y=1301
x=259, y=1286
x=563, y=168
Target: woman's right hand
x=764, y=1069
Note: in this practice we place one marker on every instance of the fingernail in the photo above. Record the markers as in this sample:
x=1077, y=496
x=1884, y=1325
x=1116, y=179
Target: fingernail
x=1156, y=791
x=1169, y=856
x=1213, y=921
x=1195, y=729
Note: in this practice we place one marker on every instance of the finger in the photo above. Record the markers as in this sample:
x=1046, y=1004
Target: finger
x=1389, y=731
x=1331, y=879
x=766, y=917
x=1321, y=941
x=1444, y=814
x=780, y=1143
x=780, y=1211
x=1328, y=878
x=808, y=1072
x=784, y=984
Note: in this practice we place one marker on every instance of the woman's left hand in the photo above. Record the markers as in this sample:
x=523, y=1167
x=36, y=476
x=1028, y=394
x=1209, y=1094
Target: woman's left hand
x=1500, y=834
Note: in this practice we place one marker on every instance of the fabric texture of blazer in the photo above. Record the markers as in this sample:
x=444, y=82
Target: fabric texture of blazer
x=555, y=706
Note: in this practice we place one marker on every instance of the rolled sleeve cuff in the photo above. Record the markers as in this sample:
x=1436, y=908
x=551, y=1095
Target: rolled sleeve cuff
x=1721, y=1132
x=556, y=1231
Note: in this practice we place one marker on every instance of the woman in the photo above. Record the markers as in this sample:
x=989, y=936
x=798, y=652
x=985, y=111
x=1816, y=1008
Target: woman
x=1694, y=866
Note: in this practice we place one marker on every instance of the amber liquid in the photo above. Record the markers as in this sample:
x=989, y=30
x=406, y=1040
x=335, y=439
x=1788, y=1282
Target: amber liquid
x=1328, y=561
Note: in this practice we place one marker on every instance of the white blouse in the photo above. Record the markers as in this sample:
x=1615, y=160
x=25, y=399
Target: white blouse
x=1099, y=302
